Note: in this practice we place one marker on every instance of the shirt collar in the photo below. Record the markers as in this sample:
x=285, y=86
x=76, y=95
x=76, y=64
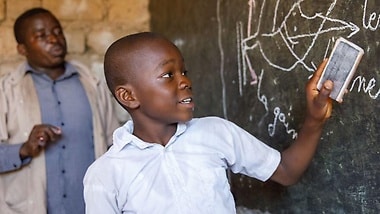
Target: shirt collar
x=69, y=70
x=123, y=136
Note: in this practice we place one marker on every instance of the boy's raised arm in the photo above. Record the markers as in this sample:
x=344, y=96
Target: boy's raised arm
x=296, y=158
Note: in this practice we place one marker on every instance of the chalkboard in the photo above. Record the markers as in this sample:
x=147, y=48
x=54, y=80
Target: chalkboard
x=249, y=62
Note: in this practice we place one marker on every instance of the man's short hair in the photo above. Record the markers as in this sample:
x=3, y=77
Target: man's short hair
x=18, y=27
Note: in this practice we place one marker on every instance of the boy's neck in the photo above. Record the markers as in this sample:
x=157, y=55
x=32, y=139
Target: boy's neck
x=154, y=133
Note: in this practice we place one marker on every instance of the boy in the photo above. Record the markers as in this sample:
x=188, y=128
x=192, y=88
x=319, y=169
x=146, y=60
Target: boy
x=166, y=161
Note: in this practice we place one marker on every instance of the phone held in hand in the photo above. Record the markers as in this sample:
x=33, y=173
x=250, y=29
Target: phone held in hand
x=341, y=66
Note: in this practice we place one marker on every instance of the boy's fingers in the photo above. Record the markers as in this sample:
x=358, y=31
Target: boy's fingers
x=323, y=100
x=324, y=94
x=318, y=73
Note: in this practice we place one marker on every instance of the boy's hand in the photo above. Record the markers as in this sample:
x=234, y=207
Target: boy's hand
x=319, y=105
x=296, y=158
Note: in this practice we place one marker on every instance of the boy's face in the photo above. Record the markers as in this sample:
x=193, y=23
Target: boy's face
x=162, y=87
x=44, y=43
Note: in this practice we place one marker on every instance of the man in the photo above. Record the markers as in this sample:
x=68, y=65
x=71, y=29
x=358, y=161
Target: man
x=56, y=117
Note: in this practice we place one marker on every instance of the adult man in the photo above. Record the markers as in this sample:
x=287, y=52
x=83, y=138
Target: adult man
x=55, y=119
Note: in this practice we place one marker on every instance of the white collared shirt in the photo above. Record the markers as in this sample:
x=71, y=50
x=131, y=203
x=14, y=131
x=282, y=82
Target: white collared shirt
x=188, y=175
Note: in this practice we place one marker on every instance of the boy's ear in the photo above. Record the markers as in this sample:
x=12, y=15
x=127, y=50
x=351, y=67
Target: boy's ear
x=125, y=95
x=21, y=49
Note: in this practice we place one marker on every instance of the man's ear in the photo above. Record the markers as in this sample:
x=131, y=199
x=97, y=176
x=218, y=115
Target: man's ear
x=21, y=49
x=125, y=95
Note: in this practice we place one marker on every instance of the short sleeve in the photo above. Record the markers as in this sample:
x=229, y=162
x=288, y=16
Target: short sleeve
x=249, y=155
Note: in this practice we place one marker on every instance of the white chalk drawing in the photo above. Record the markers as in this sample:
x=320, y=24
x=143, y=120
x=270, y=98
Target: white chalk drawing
x=221, y=51
x=289, y=37
x=250, y=39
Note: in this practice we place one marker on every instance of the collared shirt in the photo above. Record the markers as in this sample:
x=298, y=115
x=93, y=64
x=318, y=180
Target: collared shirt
x=64, y=104
x=188, y=175
x=23, y=188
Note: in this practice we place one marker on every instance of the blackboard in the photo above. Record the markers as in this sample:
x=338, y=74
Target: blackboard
x=249, y=62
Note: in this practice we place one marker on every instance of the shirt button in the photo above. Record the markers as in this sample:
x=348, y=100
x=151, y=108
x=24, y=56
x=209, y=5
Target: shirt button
x=63, y=171
x=62, y=124
x=63, y=147
x=64, y=195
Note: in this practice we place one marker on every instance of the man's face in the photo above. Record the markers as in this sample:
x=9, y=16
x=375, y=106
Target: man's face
x=44, y=44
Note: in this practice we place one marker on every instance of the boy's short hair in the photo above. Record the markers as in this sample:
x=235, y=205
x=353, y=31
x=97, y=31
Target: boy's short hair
x=118, y=57
x=18, y=27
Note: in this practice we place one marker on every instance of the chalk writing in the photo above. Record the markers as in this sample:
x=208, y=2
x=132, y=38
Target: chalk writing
x=373, y=21
x=368, y=87
x=262, y=98
x=278, y=115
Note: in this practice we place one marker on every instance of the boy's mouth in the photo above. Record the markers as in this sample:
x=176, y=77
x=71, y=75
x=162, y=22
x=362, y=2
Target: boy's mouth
x=187, y=100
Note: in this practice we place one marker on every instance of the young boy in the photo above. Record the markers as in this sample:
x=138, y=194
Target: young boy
x=166, y=161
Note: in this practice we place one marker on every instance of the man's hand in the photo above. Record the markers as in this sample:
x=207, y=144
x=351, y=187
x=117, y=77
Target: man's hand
x=40, y=137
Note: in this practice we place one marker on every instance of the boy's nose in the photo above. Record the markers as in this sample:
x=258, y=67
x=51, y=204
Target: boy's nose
x=185, y=83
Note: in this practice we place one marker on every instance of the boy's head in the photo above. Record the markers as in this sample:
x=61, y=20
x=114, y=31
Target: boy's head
x=40, y=38
x=146, y=74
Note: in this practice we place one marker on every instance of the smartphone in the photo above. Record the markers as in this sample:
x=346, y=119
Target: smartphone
x=341, y=66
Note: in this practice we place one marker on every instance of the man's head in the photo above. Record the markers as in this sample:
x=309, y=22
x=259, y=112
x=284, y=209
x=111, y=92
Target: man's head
x=40, y=38
x=146, y=73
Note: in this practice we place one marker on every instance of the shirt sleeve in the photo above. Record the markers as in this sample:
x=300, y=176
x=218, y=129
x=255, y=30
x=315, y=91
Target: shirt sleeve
x=249, y=155
x=10, y=157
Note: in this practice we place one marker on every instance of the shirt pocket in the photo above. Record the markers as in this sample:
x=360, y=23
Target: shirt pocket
x=16, y=191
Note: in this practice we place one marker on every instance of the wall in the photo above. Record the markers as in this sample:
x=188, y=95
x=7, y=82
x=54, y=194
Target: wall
x=249, y=61
x=90, y=26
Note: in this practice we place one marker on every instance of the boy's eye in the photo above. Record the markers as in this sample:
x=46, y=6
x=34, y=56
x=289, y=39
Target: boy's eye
x=184, y=73
x=171, y=74
x=167, y=75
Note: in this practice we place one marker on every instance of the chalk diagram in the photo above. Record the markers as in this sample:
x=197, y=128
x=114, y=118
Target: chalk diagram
x=289, y=35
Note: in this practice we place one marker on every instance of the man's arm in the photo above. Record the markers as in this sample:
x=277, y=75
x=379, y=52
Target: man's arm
x=296, y=158
x=10, y=157
x=14, y=156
